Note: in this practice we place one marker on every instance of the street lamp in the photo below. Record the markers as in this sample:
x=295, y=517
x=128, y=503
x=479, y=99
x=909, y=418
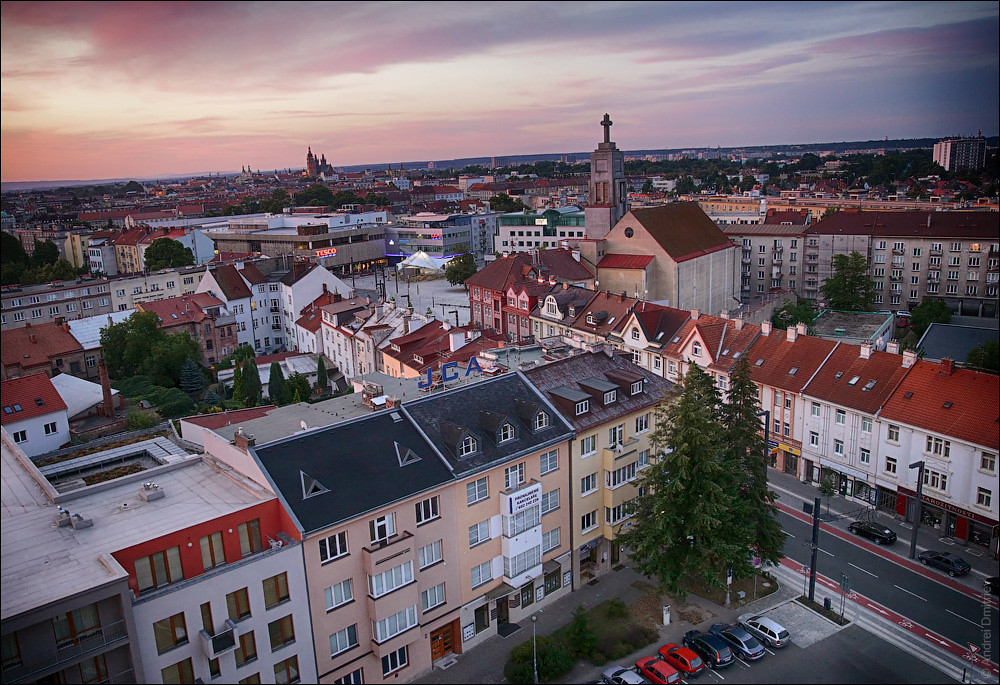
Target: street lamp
x=534, y=645
x=917, y=508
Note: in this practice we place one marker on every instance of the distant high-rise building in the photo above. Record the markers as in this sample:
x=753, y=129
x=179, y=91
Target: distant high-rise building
x=608, y=192
x=961, y=153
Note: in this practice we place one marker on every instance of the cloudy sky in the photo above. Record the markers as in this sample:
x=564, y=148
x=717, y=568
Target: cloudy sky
x=95, y=90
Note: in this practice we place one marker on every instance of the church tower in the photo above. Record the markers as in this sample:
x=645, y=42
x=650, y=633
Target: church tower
x=608, y=191
x=312, y=166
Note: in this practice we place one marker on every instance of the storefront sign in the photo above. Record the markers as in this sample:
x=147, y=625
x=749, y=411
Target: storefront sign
x=791, y=450
x=948, y=506
x=326, y=252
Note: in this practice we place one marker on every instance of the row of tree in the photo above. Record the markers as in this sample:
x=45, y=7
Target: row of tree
x=44, y=265
x=137, y=346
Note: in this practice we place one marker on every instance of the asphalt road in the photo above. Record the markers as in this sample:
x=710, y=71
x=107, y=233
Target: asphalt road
x=937, y=607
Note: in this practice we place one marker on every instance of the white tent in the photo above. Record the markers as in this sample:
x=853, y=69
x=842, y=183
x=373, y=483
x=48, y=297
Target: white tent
x=422, y=260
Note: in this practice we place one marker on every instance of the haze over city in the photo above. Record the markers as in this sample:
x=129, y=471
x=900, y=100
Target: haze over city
x=99, y=90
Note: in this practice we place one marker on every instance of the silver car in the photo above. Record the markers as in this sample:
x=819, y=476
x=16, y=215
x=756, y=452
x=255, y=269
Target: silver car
x=768, y=631
x=619, y=675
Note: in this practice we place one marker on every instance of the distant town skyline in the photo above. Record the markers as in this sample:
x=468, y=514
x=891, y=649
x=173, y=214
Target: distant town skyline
x=101, y=90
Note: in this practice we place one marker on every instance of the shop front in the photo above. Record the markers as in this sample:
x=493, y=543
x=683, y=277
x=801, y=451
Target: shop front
x=785, y=457
x=951, y=521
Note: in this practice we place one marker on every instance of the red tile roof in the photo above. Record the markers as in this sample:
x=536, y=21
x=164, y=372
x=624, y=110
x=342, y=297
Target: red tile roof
x=34, y=346
x=982, y=225
x=252, y=274
x=682, y=229
x=624, y=261
x=29, y=396
x=832, y=383
x=233, y=287
x=778, y=357
x=185, y=309
x=973, y=398
x=227, y=418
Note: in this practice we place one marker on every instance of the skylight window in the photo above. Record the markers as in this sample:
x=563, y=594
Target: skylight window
x=658, y=335
x=870, y=384
x=759, y=362
x=725, y=352
x=792, y=371
x=907, y=394
x=676, y=339
x=947, y=405
x=39, y=402
x=838, y=375
x=736, y=355
x=854, y=380
x=310, y=486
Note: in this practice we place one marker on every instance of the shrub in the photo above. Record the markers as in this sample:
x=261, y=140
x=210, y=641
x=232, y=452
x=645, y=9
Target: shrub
x=140, y=420
x=639, y=636
x=554, y=660
x=616, y=609
x=581, y=636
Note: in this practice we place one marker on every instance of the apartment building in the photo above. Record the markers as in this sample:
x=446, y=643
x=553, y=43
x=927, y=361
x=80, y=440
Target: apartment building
x=44, y=303
x=961, y=153
x=49, y=348
x=771, y=253
x=129, y=291
x=247, y=295
x=201, y=316
x=612, y=406
x=521, y=231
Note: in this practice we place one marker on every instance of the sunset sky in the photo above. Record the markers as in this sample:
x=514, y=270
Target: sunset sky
x=102, y=90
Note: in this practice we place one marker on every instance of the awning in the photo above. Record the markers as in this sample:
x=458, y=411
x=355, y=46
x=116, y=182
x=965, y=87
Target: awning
x=551, y=566
x=501, y=590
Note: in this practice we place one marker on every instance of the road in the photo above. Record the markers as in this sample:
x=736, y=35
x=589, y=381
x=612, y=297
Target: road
x=952, y=614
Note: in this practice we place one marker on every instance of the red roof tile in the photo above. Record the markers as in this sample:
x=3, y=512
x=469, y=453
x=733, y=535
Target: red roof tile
x=227, y=418
x=624, y=261
x=984, y=225
x=29, y=396
x=833, y=382
x=972, y=399
x=33, y=346
x=233, y=287
x=778, y=357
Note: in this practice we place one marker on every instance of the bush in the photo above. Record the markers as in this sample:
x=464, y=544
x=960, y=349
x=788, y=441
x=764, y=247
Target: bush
x=617, y=609
x=140, y=420
x=640, y=636
x=554, y=660
x=581, y=636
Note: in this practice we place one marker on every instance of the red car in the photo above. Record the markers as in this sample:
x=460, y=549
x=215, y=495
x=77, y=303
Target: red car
x=683, y=659
x=656, y=670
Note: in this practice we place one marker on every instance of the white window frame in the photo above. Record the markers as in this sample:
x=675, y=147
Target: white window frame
x=390, y=579
x=550, y=501
x=427, y=510
x=345, y=639
x=513, y=476
x=343, y=590
x=428, y=555
x=333, y=547
x=382, y=528
x=431, y=598
x=588, y=485
x=482, y=574
x=477, y=490
x=479, y=533
x=588, y=445
x=391, y=626
x=549, y=462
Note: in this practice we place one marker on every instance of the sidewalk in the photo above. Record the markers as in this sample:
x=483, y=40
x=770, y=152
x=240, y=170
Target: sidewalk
x=793, y=493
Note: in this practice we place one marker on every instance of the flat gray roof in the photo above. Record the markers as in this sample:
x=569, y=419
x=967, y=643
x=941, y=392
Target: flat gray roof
x=43, y=563
x=856, y=325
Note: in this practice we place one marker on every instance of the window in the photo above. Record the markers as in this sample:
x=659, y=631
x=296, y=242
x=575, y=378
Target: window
x=468, y=446
x=482, y=574
x=642, y=423
x=394, y=625
x=582, y=407
x=984, y=497
x=212, y=553
x=427, y=510
x=181, y=672
x=841, y=417
x=21, y=436
x=588, y=521
x=935, y=480
x=506, y=433
x=815, y=411
x=515, y=524
x=343, y=640
x=476, y=491
x=393, y=661
x=250, y=540
x=696, y=349
x=865, y=456
x=479, y=532
x=391, y=579
x=988, y=462
x=788, y=400
x=838, y=447
x=288, y=670
x=540, y=421
x=620, y=476
x=238, y=603
x=520, y=563
x=170, y=632
x=382, y=528
x=51, y=428
x=247, y=649
x=866, y=424
x=431, y=554
x=890, y=465
x=434, y=597
x=252, y=679
x=275, y=590
x=893, y=434
x=339, y=594
x=158, y=569
x=610, y=396
x=643, y=459
x=333, y=547
x=813, y=439
x=353, y=678
x=616, y=435
x=281, y=632
x=588, y=445
x=549, y=462
x=513, y=475
x=550, y=501
x=938, y=447
x=550, y=540
x=588, y=484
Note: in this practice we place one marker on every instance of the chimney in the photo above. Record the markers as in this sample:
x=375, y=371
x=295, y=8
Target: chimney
x=109, y=405
x=576, y=255
x=552, y=279
x=406, y=324
x=947, y=366
x=765, y=328
x=565, y=286
x=866, y=350
x=31, y=338
x=391, y=402
x=738, y=323
x=243, y=440
x=909, y=358
x=456, y=338
x=892, y=347
x=324, y=289
x=65, y=326
x=791, y=334
x=695, y=314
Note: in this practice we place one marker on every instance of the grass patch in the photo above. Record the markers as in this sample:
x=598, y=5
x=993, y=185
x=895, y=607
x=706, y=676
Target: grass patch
x=111, y=474
x=84, y=451
x=765, y=586
x=616, y=632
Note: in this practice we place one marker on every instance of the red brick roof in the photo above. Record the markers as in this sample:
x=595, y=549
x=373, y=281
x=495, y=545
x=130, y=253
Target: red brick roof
x=29, y=396
x=233, y=287
x=33, y=346
x=252, y=274
x=227, y=418
x=981, y=225
x=778, y=357
x=972, y=397
x=185, y=309
x=832, y=383
x=682, y=229
x=624, y=261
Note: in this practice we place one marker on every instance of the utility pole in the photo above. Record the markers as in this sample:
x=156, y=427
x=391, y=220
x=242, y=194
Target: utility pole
x=916, y=509
x=815, y=550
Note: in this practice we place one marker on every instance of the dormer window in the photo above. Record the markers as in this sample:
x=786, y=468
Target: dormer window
x=637, y=387
x=550, y=308
x=505, y=433
x=635, y=334
x=696, y=349
x=582, y=407
x=591, y=320
x=468, y=446
x=610, y=396
x=540, y=421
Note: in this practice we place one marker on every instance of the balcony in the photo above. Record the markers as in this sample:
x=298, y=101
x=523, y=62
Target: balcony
x=276, y=327
x=777, y=249
x=898, y=250
x=377, y=552
x=935, y=251
x=221, y=643
x=746, y=259
x=895, y=278
x=776, y=258
x=103, y=639
x=275, y=310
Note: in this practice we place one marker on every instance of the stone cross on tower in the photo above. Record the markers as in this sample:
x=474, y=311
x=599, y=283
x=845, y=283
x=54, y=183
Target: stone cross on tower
x=606, y=123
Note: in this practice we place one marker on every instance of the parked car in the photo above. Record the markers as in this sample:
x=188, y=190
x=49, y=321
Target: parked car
x=683, y=659
x=656, y=670
x=992, y=585
x=952, y=564
x=768, y=631
x=876, y=532
x=744, y=645
x=715, y=651
x=619, y=675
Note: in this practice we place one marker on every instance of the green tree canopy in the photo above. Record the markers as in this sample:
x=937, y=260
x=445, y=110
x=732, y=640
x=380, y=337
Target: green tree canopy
x=166, y=253
x=985, y=356
x=460, y=268
x=250, y=386
x=792, y=313
x=505, y=203
x=276, y=391
x=11, y=250
x=931, y=310
x=299, y=388
x=192, y=379
x=850, y=288
x=275, y=202
x=315, y=195
x=377, y=199
x=322, y=378
x=133, y=187
x=137, y=346
x=46, y=252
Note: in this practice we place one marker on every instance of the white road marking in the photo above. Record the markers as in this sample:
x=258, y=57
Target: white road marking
x=825, y=552
x=910, y=593
x=862, y=570
x=787, y=533
x=962, y=617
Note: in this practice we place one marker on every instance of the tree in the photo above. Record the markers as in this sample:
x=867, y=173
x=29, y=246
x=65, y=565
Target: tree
x=166, y=253
x=299, y=388
x=505, y=203
x=276, y=384
x=681, y=525
x=251, y=384
x=581, y=635
x=931, y=310
x=985, y=357
x=133, y=187
x=850, y=288
x=315, y=195
x=11, y=251
x=830, y=211
x=792, y=313
x=275, y=202
x=45, y=253
x=460, y=268
x=126, y=344
x=238, y=390
x=828, y=488
x=192, y=377
x=648, y=187
x=322, y=379
x=377, y=199
x=744, y=458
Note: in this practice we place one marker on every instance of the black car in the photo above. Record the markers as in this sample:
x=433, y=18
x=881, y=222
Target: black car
x=744, y=645
x=873, y=531
x=952, y=564
x=992, y=585
x=713, y=649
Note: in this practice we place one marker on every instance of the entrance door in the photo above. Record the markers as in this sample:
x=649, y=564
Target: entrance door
x=503, y=613
x=442, y=642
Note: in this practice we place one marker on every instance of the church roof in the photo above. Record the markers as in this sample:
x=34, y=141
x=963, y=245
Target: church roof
x=682, y=229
